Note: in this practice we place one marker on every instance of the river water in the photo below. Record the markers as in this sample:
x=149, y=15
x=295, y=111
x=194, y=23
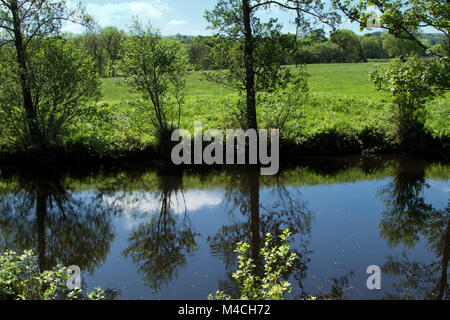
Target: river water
x=147, y=233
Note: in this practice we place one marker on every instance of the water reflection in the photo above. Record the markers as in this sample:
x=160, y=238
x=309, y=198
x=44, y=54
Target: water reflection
x=160, y=245
x=288, y=210
x=407, y=218
x=159, y=227
x=40, y=212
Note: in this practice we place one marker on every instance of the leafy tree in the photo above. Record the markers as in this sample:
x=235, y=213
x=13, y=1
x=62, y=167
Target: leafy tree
x=317, y=35
x=113, y=43
x=396, y=47
x=21, y=23
x=155, y=68
x=61, y=81
x=94, y=46
x=401, y=18
x=348, y=41
x=198, y=52
x=373, y=48
x=412, y=84
x=237, y=20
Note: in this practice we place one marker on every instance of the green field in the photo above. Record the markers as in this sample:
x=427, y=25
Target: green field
x=343, y=114
x=350, y=79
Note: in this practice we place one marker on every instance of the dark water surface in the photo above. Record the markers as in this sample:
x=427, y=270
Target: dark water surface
x=151, y=234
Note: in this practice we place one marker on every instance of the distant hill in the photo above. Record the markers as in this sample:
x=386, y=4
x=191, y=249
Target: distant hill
x=181, y=38
x=429, y=38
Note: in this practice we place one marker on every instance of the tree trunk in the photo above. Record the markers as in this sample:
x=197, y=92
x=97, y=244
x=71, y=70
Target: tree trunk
x=30, y=111
x=41, y=214
x=255, y=220
x=249, y=68
x=443, y=285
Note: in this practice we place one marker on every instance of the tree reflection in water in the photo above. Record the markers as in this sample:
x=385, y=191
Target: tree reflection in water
x=406, y=219
x=38, y=211
x=160, y=245
x=284, y=210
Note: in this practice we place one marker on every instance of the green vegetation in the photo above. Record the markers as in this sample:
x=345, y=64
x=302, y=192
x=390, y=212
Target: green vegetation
x=249, y=75
x=344, y=112
x=21, y=279
x=267, y=286
x=412, y=84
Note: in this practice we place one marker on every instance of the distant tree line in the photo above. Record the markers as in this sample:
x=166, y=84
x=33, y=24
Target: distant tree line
x=106, y=46
x=341, y=46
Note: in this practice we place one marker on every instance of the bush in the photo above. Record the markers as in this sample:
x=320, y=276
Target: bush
x=278, y=260
x=20, y=279
x=412, y=84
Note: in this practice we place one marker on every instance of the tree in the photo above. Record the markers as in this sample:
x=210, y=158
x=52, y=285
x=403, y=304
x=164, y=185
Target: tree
x=93, y=45
x=396, y=47
x=61, y=81
x=401, y=17
x=112, y=40
x=412, y=83
x=237, y=19
x=22, y=22
x=155, y=68
x=198, y=52
x=373, y=48
x=348, y=41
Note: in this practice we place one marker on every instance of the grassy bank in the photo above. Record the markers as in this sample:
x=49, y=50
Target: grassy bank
x=344, y=114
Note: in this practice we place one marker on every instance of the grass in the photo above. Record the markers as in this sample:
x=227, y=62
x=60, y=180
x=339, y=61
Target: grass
x=351, y=79
x=344, y=114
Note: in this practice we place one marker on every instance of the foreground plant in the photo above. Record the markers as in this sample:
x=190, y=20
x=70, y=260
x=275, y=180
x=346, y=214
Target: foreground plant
x=21, y=279
x=268, y=286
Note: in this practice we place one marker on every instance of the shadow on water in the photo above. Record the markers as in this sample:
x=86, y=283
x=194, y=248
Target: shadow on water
x=161, y=243
x=40, y=212
x=407, y=218
x=70, y=218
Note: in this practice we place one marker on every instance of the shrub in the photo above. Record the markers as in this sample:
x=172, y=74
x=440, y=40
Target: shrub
x=20, y=279
x=412, y=84
x=269, y=286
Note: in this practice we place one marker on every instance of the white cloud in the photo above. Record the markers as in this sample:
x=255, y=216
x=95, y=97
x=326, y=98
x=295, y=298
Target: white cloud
x=121, y=14
x=137, y=205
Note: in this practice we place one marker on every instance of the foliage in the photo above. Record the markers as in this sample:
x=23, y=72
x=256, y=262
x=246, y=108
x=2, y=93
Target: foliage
x=20, y=279
x=400, y=17
x=412, y=84
x=348, y=41
x=25, y=23
x=396, y=47
x=373, y=47
x=105, y=47
x=269, y=286
x=156, y=69
x=63, y=84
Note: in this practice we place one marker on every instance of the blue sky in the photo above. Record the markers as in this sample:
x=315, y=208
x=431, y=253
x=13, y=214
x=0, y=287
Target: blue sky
x=169, y=16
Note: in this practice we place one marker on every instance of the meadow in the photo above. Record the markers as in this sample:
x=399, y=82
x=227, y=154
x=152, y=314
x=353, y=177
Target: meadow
x=350, y=79
x=343, y=114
